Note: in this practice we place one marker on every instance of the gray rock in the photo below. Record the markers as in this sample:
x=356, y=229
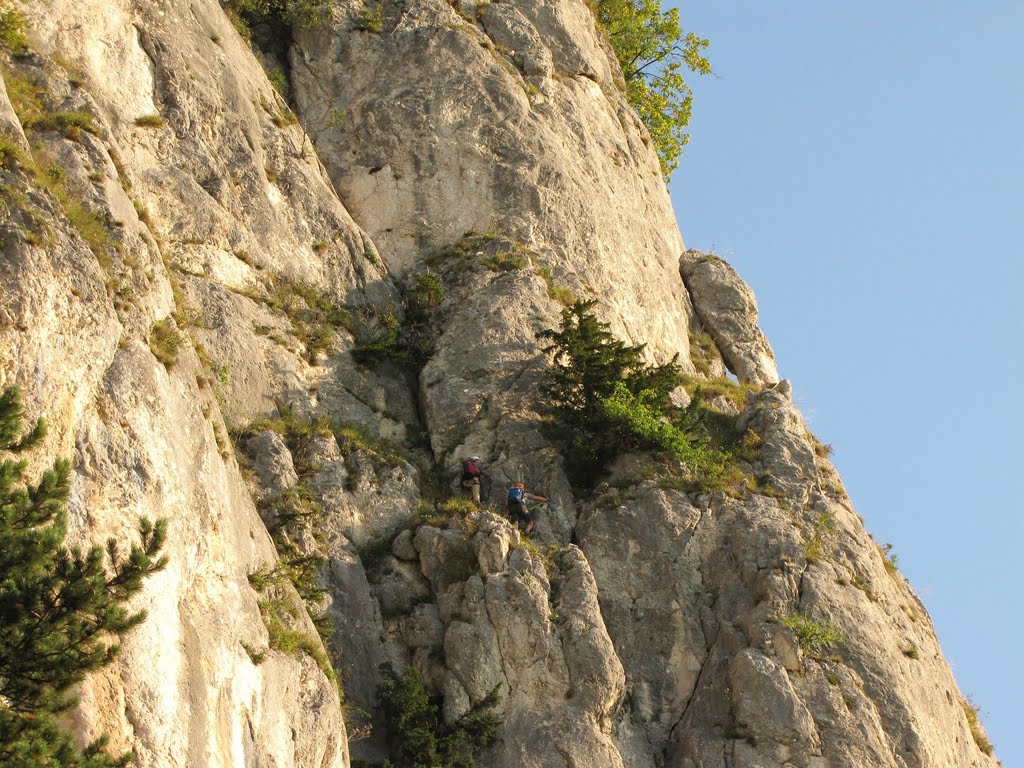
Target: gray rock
x=492, y=544
x=768, y=705
x=402, y=547
x=508, y=28
x=272, y=461
x=659, y=641
x=728, y=310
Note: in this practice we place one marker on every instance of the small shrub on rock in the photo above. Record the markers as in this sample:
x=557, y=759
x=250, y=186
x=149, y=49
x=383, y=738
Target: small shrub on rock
x=409, y=343
x=12, y=30
x=165, y=342
x=816, y=638
x=974, y=723
x=418, y=737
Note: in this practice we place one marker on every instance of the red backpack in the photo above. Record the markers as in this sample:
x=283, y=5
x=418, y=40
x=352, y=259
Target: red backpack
x=471, y=469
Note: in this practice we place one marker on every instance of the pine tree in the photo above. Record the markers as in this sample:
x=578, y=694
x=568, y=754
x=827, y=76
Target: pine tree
x=417, y=734
x=61, y=610
x=590, y=365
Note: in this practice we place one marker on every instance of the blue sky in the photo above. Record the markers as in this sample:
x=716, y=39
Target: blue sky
x=862, y=166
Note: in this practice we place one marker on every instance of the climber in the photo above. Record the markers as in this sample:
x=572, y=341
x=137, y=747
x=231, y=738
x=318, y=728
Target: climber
x=516, y=509
x=472, y=473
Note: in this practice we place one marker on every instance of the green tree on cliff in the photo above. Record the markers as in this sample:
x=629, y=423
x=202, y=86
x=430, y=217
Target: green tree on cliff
x=592, y=373
x=653, y=51
x=61, y=609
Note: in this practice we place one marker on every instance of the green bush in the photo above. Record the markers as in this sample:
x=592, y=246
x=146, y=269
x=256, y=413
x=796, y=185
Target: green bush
x=815, y=637
x=32, y=103
x=594, y=384
x=12, y=30
x=418, y=737
x=823, y=531
x=652, y=50
x=9, y=152
x=280, y=14
x=974, y=723
x=703, y=352
x=408, y=343
x=150, y=121
x=60, y=609
x=314, y=316
x=165, y=342
x=278, y=616
x=889, y=559
x=559, y=293
x=370, y=17
x=69, y=124
x=506, y=261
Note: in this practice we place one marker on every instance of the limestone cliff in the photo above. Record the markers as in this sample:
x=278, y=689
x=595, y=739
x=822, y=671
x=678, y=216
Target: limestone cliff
x=191, y=258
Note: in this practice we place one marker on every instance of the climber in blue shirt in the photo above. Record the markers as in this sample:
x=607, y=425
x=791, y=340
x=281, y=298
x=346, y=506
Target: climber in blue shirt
x=516, y=509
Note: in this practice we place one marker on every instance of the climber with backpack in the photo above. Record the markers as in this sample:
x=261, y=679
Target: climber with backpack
x=472, y=475
x=517, y=510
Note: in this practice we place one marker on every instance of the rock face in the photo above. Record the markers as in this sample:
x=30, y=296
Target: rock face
x=727, y=309
x=196, y=263
x=497, y=117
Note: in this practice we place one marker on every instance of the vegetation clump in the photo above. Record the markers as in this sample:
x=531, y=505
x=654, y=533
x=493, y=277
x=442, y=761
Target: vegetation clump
x=445, y=511
x=816, y=638
x=315, y=317
x=279, y=14
x=12, y=30
x=507, y=261
x=607, y=400
x=889, y=559
x=653, y=51
x=418, y=737
x=974, y=723
x=165, y=342
x=823, y=530
x=150, y=121
x=279, y=616
x=61, y=609
x=294, y=515
x=703, y=352
x=370, y=17
x=33, y=104
x=408, y=343
x=559, y=293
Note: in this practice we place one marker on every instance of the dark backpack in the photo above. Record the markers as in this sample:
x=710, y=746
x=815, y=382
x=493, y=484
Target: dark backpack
x=516, y=495
x=471, y=469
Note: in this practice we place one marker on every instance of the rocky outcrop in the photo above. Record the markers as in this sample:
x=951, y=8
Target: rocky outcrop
x=179, y=268
x=178, y=167
x=728, y=310
x=504, y=118
x=716, y=621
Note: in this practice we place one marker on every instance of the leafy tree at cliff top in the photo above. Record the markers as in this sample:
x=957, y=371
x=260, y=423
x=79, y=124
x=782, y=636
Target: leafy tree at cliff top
x=59, y=607
x=652, y=50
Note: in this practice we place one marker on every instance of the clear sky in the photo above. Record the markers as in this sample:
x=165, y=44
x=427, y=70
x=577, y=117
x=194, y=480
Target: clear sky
x=861, y=165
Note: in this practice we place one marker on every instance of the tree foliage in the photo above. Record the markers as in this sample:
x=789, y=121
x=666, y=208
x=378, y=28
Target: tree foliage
x=418, y=735
x=286, y=14
x=596, y=382
x=61, y=609
x=408, y=342
x=654, y=51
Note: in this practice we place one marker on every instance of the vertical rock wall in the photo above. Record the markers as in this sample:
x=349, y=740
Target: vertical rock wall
x=489, y=145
